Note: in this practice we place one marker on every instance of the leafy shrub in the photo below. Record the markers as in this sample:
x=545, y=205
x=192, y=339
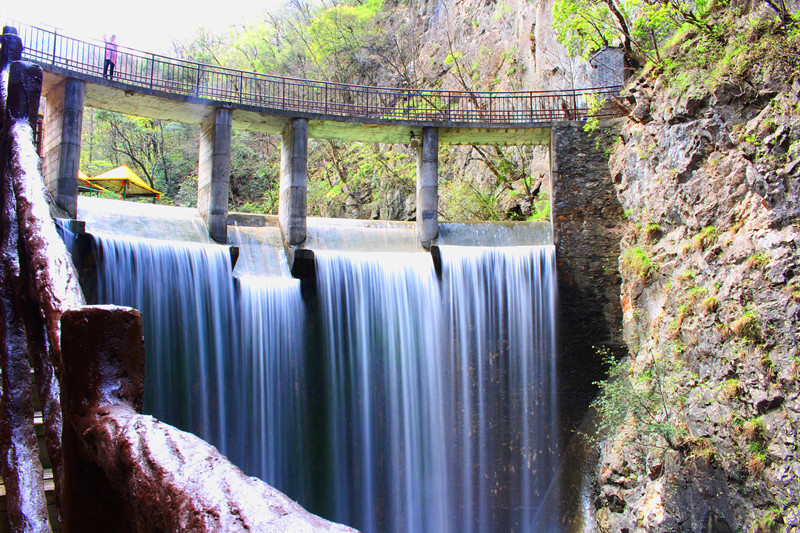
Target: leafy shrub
x=648, y=402
x=636, y=261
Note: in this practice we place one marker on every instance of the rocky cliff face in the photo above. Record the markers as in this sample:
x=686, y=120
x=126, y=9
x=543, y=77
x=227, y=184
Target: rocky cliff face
x=709, y=182
x=498, y=45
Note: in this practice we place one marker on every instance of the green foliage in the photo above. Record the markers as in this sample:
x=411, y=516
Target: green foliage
x=757, y=261
x=770, y=521
x=595, y=104
x=705, y=238
x=747, y=327
x=731, y=388
x=736, y=49
x=585, y=26
x=710, y=304
x=638, y=262
x=162, y=153
x=358, y=178
x=541, y=208
x=647, y=402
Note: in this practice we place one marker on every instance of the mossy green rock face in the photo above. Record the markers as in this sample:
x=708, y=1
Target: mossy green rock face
x=716, y=169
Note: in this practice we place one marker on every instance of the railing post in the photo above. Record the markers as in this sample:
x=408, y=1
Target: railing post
x=326, y=97
x=152, y=69
x=574, y=103
x=449, y=106
x=366, y=113
x=197, y=86
x=241, y=87
x=55, y=38
x=283, y=93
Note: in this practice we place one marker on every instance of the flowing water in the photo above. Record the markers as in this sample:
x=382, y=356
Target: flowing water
x=223, y=354
x=381, y=315
x=422, y=401
x=441, y=416
x=499, y=314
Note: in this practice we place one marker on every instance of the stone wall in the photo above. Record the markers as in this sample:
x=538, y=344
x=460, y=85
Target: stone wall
x=587, y=231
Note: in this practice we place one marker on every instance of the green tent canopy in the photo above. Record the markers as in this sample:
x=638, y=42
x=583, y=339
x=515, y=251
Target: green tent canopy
x=124, y=182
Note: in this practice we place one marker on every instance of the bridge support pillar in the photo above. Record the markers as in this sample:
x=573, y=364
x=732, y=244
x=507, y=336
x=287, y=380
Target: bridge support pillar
x=214, y=172
x=428, y=187
x=61, y=151
x=294, y=182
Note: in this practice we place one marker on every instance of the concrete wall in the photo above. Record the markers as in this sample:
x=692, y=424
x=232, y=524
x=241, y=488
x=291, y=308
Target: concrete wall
x=609, y=67
x=294, y=182
x=61, y=149
x=587, y=220
x=428, y=186
x=213, y=179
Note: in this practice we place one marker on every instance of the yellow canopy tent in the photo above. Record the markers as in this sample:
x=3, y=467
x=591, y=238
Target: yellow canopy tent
x=85, y=185
x=124, y=182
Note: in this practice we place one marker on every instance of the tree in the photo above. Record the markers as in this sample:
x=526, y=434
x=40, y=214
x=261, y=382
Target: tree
x=163, y=153
x=638, y=26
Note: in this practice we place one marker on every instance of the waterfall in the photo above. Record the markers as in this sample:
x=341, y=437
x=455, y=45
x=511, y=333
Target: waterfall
x=386, y=435
x=402, y=400
x=500, y=312
x=185, y=293
x=223, y=354
x=442, y=413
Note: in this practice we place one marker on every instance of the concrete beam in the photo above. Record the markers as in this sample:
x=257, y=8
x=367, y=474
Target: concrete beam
x=160, y=104
x=428, y=187
x=294, y=182
x=62, y=142
x=214, y=172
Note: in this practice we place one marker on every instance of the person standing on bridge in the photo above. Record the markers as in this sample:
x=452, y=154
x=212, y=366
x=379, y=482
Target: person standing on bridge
x=111, y=57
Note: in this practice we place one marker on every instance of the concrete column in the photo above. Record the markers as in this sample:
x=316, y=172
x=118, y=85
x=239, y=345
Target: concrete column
x=294, y=182
x=61, y=150
x=428, y=187
x=214, y=174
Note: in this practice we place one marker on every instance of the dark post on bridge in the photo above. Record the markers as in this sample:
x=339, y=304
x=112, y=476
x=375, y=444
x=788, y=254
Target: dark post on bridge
x=428, y=187
x=294, y=182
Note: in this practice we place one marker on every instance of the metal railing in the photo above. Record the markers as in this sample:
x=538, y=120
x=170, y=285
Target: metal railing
x=179, y=77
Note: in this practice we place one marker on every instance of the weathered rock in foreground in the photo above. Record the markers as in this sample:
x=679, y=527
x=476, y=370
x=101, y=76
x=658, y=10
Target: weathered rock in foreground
x=129, y=472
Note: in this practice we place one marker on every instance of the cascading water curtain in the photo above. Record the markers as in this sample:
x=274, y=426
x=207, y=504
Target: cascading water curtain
x=385, y=382
x=185, y=294
x=223, y=364
x=269, y=423
x=500, y=312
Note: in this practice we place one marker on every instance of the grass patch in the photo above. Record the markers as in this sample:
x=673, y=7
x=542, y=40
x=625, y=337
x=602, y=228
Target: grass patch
x=710, y=304
x=705, y=238
x=638, y=262
x=747, y=327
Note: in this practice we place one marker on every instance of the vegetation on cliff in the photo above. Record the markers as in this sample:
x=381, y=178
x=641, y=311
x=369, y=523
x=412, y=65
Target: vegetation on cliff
x=701, y=421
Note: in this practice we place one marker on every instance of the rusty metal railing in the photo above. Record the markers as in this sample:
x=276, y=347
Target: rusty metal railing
x=52, y=49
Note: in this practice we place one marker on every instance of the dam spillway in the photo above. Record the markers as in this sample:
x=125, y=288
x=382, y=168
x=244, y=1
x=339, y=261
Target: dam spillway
x=393, y=398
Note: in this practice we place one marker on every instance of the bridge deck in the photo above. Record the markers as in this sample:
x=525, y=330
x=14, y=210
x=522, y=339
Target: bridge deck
x=155, y=86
